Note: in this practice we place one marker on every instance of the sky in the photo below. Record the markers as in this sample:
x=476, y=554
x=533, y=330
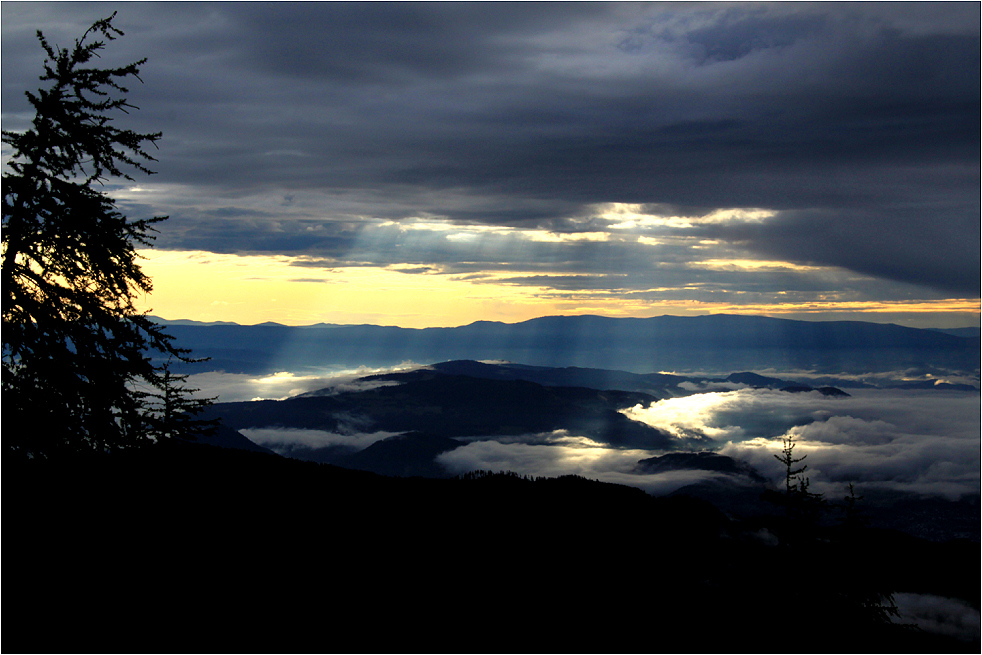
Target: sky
x=433, y=165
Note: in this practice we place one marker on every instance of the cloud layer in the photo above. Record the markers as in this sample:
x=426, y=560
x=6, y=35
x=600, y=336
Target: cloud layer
x=919, y=442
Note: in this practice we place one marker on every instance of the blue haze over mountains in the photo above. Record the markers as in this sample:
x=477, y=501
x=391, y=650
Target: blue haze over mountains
x=718, y=344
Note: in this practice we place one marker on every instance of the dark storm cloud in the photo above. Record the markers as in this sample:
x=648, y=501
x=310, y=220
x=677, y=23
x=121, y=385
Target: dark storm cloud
x=947, y=239
x=256, y=234
x=857, y=124
x=397, y=43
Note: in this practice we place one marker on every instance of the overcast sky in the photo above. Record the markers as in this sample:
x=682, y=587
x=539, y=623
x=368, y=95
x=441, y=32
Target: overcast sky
x=438, y=164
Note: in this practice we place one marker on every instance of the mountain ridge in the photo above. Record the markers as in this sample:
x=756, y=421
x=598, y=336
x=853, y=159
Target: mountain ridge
x=639, y=345
x=967, y=332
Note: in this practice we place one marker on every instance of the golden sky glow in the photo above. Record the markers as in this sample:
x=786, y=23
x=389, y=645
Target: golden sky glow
x=253, y=289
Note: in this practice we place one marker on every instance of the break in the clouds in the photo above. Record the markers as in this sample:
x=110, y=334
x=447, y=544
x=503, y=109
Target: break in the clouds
x=740, y=153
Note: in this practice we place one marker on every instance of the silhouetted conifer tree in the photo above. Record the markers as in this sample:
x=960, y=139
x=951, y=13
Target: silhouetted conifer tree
x=799, y=501
x=171, y=407
x=75, y=349
x=789, y=460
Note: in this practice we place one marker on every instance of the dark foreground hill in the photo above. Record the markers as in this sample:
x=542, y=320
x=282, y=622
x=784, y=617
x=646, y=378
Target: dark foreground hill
x=192, y=548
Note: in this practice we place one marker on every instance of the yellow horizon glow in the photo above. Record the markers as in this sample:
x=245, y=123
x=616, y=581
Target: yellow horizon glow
x=250, y=289
x=957, y=305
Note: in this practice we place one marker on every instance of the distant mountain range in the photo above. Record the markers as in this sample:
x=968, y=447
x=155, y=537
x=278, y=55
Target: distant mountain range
x=968, y=332
x=639, y=345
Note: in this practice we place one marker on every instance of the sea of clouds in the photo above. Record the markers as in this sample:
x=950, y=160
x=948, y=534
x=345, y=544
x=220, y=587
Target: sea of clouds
x=909, y=440
x=926, y=442
x=921, y=441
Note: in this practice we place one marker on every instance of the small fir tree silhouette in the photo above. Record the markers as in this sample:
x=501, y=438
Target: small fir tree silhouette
x=800, y=504
x=171, y=407
x=789, y=460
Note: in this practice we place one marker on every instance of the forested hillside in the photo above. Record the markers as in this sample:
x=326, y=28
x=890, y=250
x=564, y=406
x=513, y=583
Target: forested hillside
x=244, y=551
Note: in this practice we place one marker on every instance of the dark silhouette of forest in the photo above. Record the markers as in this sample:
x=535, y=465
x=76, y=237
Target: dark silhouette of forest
x=180, y=546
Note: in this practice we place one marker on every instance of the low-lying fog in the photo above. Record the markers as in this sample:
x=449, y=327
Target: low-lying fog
x=922, y=441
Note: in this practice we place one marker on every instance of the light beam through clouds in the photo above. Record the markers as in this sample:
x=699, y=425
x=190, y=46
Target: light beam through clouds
x=424, y=273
